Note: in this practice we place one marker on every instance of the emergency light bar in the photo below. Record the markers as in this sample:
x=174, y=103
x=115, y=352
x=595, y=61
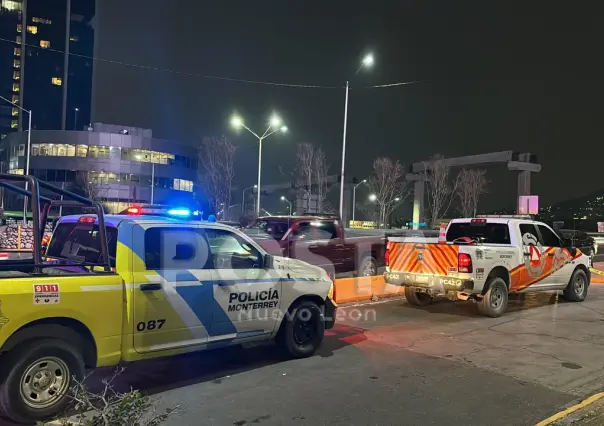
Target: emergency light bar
x=506, y=216
x=176, y=212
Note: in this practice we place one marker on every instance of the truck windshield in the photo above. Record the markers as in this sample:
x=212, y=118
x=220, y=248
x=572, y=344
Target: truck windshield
x=268, y=228
x=81, y=242
x=490, y=233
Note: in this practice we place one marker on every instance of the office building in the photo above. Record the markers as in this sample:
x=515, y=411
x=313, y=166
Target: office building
x=114, y=164
x=46, y=65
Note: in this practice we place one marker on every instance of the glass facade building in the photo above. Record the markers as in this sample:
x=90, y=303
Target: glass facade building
x=121, y=167
x=47, y=68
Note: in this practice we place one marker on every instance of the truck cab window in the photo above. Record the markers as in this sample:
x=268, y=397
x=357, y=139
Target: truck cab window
x=176, y=248
x=326, y=230
x=548, y=238
x=81, y=242
x=304, y=231
x=230, y=251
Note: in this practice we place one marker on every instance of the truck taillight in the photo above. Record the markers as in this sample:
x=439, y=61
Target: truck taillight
x=464, y=263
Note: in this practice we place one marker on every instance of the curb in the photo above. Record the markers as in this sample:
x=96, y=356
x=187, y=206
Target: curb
x=560, y=415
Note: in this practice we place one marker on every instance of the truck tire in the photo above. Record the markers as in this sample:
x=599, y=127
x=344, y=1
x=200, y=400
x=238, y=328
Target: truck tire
x=367, y=267
x=416, y=298
x=303, y=330
x=495, y=301
x=576, y=290
x=38, y=377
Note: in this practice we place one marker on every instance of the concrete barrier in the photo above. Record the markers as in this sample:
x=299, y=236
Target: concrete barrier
x=364, y=289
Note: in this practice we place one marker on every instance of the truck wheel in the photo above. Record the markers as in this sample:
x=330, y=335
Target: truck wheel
x=38, y=378
x=495, y=301
x=303, y=330
x=367, y=267
x=576, y=290
x=416, y=298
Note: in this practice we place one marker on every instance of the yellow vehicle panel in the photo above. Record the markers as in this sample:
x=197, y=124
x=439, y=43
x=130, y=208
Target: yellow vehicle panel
x=96, y=301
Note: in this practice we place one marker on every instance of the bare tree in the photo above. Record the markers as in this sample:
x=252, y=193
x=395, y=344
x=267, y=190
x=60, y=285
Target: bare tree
x=303, y=173
x=472, y=183
x=440, y=190
x=217, y=159
x=321, y=167
x=90, y=186
x=388, y=185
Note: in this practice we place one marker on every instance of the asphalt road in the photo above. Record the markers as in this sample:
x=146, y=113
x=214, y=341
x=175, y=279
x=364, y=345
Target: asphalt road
x=388, y=363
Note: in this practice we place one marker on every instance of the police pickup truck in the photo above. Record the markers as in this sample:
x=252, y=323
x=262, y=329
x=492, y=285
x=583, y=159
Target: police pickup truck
x=484, y=259
x=118, y=288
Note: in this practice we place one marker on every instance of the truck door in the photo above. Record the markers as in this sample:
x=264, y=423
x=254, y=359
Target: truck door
x=247, y=294
x=559, y=258
x=536, y=272
x=173, y=287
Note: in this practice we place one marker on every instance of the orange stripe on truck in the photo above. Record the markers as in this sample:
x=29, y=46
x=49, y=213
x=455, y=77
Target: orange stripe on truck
x=437, y=259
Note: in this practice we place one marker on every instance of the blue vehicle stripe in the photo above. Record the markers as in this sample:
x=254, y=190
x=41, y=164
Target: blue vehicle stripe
x=250, y=333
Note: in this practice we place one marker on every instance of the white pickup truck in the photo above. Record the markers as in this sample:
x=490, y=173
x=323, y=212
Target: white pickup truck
x=485, y=259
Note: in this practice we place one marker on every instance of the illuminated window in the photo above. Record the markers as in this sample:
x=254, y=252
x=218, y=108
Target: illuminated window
x=16, y=75
x=57, y=81
x=15, y=87
x=17, y=51
x=41, y=20
x=73, y=38
x=19, y=28
x=19, y=39
x=15, y=112
x=14, y=124
x=16, y=172
x=15, y=99
x=32, y=29
x=183, y=185
x=82, y=150
x=44, y=44
x=17, y=63
x=11, y=5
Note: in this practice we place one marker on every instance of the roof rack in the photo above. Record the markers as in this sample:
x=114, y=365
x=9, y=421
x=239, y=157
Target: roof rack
x=506, y=216
x=39, y=217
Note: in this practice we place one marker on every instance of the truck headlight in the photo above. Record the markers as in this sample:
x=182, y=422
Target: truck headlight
x=330, y=292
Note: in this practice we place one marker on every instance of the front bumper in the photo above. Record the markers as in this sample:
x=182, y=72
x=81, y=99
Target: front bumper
x=432, y=284
x=330, y=313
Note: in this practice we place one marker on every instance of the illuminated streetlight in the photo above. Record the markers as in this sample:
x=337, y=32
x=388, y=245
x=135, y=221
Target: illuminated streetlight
x=275, y=121
x=236, y=121
x=274, y=126
x=354, y=197
x=367, y=62
x=243, y=200
x=397, y=199
x=288, y=202
x=372, y=197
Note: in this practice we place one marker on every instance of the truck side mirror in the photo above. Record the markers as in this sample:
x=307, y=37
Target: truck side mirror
x=268, y=261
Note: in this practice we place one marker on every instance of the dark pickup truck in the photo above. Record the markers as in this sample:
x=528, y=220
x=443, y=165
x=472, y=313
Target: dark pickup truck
x=321, y=241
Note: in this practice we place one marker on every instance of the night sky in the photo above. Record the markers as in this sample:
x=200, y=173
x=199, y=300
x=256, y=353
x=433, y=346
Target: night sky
x=493, y=76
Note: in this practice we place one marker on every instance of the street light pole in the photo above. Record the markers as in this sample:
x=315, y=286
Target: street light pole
x=288, y=202
x=354, y=197
x=274, y=126
x=243, y=198
x=75, y=118
x=152, y=182
x=367, y=62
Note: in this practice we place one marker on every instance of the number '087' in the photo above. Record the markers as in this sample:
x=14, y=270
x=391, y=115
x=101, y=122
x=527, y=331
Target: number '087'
x=150, y=325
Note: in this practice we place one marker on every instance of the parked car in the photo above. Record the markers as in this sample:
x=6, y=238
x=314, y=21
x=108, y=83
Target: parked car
x=484, y=259
x=320, y=240
x=581, y=240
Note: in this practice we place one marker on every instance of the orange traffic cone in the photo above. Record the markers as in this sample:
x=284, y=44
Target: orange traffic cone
x=442, y=238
